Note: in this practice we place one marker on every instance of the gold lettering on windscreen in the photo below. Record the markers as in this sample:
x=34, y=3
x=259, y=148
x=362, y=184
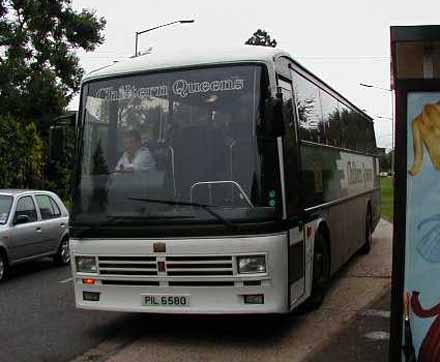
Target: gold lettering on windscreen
x=180, y=87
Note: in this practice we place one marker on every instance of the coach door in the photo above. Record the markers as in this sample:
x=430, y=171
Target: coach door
x=296, y=245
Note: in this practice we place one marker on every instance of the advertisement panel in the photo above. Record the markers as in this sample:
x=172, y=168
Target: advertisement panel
x=422, y=251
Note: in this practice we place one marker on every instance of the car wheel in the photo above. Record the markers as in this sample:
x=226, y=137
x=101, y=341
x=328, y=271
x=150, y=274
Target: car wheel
x=62, y=257
x=365, y=249
x=321, y=273
x=3, y=267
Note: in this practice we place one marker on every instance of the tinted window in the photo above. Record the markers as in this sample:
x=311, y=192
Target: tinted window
x=55, y=207
x=26, y=206
x=343, y=124
x=371, y=143
x=330, y=118
x=354, y=130
x=290, y=160
x=5, y=207
x=47, y=206
x=309, y=109
x=178, y=137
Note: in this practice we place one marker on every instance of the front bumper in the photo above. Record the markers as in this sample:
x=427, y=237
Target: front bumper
x=208, y=294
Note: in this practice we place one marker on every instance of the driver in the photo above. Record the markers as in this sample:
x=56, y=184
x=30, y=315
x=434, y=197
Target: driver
x=136, y=157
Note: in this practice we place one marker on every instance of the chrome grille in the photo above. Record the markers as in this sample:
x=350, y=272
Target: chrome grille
x=199, y=265
x=127, y=265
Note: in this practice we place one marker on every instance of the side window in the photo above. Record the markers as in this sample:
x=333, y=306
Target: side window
x=371, y=138
x=286, y=90
x=291, y=154
x=45, y=207
x=309, y=109
x=56, y=209
x=354, y=131
x=344, y=121
x=330, y=118
x=48, y=207
x=363, y=128
x=26, y=207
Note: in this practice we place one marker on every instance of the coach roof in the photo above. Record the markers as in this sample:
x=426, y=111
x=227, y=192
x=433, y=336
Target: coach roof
x=185, y=58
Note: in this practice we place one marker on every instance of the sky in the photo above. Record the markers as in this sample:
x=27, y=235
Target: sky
x=345, y=43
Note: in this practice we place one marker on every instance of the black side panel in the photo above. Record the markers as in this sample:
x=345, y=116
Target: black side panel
x=296, y=262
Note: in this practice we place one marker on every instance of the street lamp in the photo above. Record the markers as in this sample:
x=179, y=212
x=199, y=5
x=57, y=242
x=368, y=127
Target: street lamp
x=187, y=21
x=383, y=117
x=373, y=86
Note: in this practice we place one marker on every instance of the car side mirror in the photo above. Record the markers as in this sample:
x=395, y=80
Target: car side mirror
x=21, y=219
x=273, y=116
x=58, y=135
x=56, y=142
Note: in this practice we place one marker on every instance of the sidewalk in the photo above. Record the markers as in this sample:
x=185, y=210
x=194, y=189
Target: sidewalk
x=365, y=339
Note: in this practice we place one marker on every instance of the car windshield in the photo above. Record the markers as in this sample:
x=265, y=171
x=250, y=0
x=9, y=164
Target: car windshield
x=177, y=147
x=5, y=208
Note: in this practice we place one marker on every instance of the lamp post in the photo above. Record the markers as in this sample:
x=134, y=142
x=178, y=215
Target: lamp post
x=392, y=119
x=187, y=21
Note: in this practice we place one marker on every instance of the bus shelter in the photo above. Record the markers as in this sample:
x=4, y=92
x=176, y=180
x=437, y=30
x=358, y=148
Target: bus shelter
x=415, y=316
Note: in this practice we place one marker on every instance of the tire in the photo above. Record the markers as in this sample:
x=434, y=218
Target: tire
x=62, y=257
x=321, y=272
x=365, y=249
x=4, y=268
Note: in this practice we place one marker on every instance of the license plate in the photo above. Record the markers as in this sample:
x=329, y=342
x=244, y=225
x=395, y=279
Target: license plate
x=160, y=300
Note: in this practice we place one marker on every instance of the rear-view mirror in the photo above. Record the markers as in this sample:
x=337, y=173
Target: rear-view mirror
x=56, y=143
x=57, y=135
x=21, y=219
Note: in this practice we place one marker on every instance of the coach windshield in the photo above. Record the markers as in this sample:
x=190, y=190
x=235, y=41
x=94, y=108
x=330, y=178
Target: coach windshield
x=176, y=148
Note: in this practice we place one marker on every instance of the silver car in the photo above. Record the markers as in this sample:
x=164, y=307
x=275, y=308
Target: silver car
x=33, y=224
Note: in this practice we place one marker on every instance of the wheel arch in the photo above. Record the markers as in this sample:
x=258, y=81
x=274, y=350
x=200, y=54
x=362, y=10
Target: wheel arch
x=369, y=210
x=63, y=237
x=324, y=230
x=4, y=252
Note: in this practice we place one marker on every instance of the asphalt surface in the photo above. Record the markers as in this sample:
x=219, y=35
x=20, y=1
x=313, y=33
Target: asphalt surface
x=365, y=338
x=38, y=320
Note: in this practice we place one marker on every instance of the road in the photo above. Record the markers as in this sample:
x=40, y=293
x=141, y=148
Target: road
x=38, y=319
x=39, y=322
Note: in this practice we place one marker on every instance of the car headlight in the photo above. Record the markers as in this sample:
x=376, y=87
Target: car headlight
x=251, y=264
x=86, y=264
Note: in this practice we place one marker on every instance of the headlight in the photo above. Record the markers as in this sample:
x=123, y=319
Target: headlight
x=251, y=264
x=86, y=264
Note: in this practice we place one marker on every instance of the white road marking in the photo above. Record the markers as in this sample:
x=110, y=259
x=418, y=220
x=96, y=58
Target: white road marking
x=376, y=313
x=378, y=335
x=66, y=280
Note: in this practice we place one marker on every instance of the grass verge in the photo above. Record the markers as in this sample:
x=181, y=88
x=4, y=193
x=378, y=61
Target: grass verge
x=386, y=194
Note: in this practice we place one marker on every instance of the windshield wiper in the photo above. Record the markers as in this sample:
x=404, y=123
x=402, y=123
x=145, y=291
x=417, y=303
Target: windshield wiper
x=112, y=218
x=97, y=226
x=207, y=208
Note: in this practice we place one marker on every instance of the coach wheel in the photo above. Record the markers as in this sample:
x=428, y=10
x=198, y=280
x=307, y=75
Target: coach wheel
x=321, y=272
x=365, y=249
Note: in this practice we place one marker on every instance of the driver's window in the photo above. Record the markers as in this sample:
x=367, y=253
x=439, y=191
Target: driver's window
x=26, y=207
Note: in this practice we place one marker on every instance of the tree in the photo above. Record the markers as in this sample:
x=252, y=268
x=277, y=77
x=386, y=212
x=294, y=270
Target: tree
x=261, y=37
x=39, y=71
x=385, y=162
x=21, y=150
